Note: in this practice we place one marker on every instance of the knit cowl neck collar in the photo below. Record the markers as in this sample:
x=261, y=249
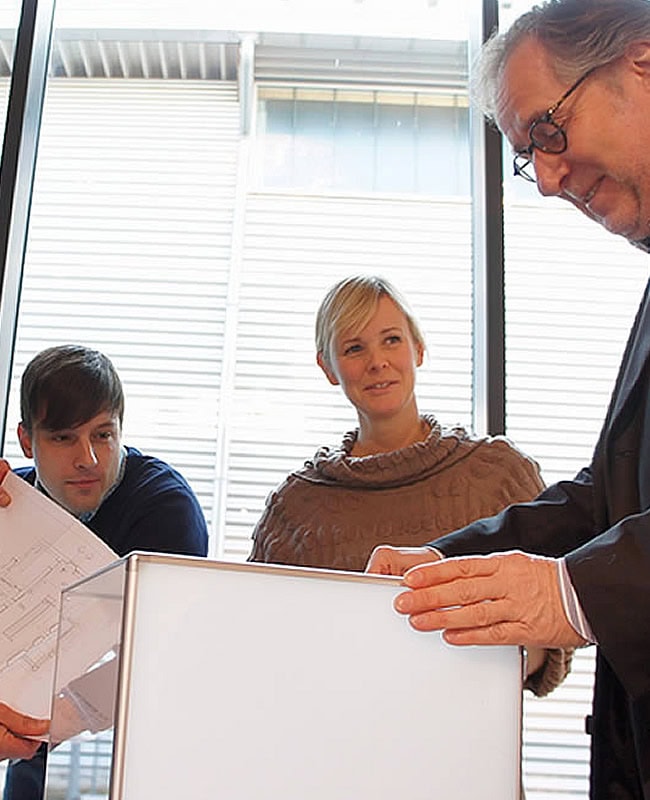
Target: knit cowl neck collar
x=396, y=468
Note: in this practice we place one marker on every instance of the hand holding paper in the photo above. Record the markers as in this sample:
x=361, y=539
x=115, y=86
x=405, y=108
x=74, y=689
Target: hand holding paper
x=20, y=735
x=42, y=550
x=5, y=498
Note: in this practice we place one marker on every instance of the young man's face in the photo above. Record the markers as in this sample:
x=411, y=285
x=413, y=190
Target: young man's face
x=76, y=466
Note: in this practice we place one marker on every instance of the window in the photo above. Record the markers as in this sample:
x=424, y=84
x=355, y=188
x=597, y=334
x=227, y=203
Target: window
x=156, y=239
x=195, y=255
x=9, y=15
x=372, y=142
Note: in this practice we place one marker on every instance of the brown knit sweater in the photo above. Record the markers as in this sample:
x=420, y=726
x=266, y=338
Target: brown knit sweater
x=334, y=511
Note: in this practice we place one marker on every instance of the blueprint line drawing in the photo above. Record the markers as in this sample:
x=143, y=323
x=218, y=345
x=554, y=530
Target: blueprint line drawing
x=43, y=549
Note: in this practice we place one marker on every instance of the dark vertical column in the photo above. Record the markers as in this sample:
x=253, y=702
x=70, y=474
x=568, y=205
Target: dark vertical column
x=31, y=56
x=488, y=255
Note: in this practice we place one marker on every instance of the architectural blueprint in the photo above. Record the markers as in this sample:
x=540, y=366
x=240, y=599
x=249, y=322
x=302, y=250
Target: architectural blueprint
x=42, y=550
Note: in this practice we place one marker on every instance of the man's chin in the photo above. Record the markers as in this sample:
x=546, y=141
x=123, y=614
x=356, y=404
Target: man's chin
x=633, y=233
x=79, y=510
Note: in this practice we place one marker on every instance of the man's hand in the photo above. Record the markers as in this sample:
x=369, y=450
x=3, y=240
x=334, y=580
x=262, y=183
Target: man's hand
x=385, y=560
x=13, y=727
x=502, y=599
x=5, y=497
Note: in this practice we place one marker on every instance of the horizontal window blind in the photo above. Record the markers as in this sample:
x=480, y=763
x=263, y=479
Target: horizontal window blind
x=571, y=298
x=129, y=252
x=555, y=745
x=4, y=99
x=295, y=247
x=572, y=291
x=362, y=60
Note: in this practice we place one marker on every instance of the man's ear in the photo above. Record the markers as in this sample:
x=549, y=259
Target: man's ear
x=331, y=377
x=638, y=56
x=25, y=441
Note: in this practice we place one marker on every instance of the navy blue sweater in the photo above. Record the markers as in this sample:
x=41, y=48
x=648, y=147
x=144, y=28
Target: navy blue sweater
x=152, y=509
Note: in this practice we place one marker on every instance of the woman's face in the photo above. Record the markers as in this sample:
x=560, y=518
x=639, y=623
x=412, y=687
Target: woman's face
x=376, y=366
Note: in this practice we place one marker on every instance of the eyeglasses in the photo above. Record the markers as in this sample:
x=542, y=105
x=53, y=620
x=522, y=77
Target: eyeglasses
x=546, y=135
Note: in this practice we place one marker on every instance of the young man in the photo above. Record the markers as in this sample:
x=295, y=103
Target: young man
x=72, y=406
x=569, y=86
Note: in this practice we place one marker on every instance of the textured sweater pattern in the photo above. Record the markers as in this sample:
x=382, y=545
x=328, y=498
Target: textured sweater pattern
x=337, y=508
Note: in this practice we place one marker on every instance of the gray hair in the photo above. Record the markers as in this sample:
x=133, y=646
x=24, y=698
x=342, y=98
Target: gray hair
x=578, y=35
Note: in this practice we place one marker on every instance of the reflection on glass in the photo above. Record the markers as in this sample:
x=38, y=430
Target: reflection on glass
x=85, y=696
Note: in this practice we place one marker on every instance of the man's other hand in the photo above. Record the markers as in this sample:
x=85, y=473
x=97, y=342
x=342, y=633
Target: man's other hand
x=385, y=560
x=501, y=599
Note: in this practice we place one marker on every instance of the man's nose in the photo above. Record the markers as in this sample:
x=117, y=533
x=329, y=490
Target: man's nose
x=550, y=170
x=85, y=455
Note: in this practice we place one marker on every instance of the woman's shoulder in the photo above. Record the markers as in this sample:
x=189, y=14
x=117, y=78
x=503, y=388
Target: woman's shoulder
x=498, y=447
x=491, y=459
x=504, y=449
x=503, y=464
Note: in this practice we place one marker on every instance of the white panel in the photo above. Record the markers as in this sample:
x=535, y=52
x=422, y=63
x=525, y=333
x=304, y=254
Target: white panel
x=275, y=683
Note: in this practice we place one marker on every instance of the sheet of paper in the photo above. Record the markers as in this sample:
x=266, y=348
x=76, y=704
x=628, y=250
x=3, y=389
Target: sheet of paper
x=42, y=550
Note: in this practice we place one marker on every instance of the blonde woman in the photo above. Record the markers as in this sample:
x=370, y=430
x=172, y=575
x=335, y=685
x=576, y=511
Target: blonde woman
x=399, y=478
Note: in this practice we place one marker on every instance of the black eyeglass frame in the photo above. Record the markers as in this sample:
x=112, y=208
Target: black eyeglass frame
x=524, y=158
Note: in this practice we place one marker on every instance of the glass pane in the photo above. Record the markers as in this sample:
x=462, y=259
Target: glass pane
x=568, y=314
x=369, y=146
x=9, y=16
x=131, y=222
x=151, y=241
x=354, y=157
x=153, y=238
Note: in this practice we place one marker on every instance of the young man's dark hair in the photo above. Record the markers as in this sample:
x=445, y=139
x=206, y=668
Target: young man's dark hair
x=67, y=385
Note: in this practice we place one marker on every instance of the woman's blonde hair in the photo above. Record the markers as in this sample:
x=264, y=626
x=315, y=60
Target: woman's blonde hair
x=350, y=305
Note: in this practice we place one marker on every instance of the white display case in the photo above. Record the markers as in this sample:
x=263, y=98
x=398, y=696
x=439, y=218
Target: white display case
x=257, y=682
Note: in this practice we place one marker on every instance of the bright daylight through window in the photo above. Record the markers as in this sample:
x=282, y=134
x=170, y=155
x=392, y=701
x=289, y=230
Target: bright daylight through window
x=201, y=181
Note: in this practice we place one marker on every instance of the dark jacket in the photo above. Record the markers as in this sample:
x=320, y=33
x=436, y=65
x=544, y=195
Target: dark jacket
x=600, y=522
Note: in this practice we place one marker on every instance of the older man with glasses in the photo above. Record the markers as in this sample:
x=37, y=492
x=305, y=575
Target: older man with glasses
x=572, y=567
